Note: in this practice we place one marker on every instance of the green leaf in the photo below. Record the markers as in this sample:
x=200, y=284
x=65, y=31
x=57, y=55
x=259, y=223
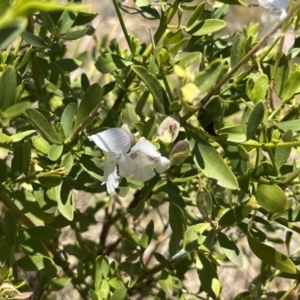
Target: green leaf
x=208, y=275
x=49, y=179
x=75, y=34
x=7, y=95
x=166, y=283
x=84, y=18
x=255, y=118
x=108, y=63
x=147, y=235
x=173, y=37
x=270, y=255
x=15, y=110
x=34, y=262
x=195, y=15
x=281, y=74
x=175, y=195
x=230, y=249
x=69, y=65
x=129, y=115
x=282, y=154
x=177, y=220
x=62, y=194
x=40, y=144
x=193, y=237
x=205, y=27
x=26, y=157
x=293, y=125
x=160, y=98
x=235, y=215
x=188, y=59
x=233, y=133
x=92, y=166
x=67, y=162
x=42, y=232
x=65, y=21
x=17, y=137
x=29, y=205
x=291, y=86
x=41, y=124
x=60, y=283
x=271, y=197
x=209, y=161
x=67, y=118
x=55, y=152
x=207, y=78
x=10, y=31
x=212, y=111
x=16, y=163
x=260, y=88
x=235, y=50
x=89, y=102
x=10, y=228
x=119, y=294
x=5, y=139
x=57, y=79
x=101, y=270
x=47, y=21
x=33, y=40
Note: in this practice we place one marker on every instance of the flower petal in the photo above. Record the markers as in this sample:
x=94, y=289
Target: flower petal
x=112, y=140
x=161, y=164
x=144, y=174
x=146, y=147
x=126, y=165
x=110, y=176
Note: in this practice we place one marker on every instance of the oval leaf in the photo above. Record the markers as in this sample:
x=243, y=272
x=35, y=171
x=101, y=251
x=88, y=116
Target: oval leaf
x=108, y=63
x=255, y=118
x=271, y=256
x=90, y=100
x=160, y=99
x=8, y=86
x=210, y=162
x=206, y=27
x=230, y=249
x=41, y=124
x=271, y=197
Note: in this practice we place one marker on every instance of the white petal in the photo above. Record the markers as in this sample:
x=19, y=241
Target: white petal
x=146, y=147
x=110, y=172
x=126, y=165
x=144, y=174
x=283, y=14
x=161, y=164
x=281, y=4
x=112, y=140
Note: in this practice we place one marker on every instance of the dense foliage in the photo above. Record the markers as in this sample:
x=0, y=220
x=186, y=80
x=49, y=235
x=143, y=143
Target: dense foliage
x=195, y=167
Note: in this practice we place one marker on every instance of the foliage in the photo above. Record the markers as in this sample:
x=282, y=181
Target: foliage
x=222, y=107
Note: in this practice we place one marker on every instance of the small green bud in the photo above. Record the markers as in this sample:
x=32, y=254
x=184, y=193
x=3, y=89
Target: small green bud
x=179, y=153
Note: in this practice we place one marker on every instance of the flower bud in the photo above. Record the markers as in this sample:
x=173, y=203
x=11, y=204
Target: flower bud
x=179, y=153
x=169, y=129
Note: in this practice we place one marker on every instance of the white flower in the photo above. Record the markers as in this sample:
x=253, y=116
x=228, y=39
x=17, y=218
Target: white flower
x=277, y=6
x=145, y=156
x=114, y=143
